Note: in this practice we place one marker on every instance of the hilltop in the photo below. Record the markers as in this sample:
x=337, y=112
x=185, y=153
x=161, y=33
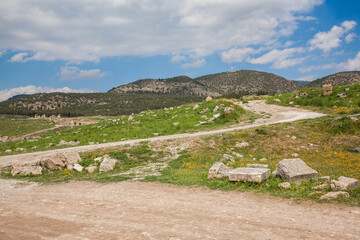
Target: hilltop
x=337, y=79
x=213, y=84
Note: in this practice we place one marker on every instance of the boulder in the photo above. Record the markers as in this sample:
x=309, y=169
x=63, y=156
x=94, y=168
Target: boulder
x=107, y=164
x=334, y=195
x=72, y=157
x=219, y=170
x=26, y=168
x=77, y=167
x=344, y=183
x=257, y=165
x=295, y=170
x=249, y=174
x=285, y=185
x=54, y=161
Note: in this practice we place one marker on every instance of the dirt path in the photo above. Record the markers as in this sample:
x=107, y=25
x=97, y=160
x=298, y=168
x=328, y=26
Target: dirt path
x=136, y=210
x=278, y=114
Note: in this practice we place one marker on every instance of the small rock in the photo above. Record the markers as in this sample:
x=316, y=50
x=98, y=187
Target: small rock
x=20, y=149
x=347, y=89
x=293, y=138
x=356, y=149
x=285, y=185
x=227, y=157
x=196, y=107
x=326, y=178
x=98, y=159
x=274, y=173
x=208, y=99
x=107, y=164
x=341, y=95
x=8, y=151
x=91, y=143
x=70, y=167
x=77, y=167
x=257, y=165
x=263, y=160
x=327, y=89
x=156, y=134
x=238, y=155
x=91, y=169
x=334, y=195
x=176, y=123
x=316, y=193
x=344, y=183
x=219, y=170
x=295, y=155
x=291, y=103
x=215, y=116
x=216, y=108
x=242, y=144
x=277, y=100
x=204, y=111
x=322, y=186
x=130, y=118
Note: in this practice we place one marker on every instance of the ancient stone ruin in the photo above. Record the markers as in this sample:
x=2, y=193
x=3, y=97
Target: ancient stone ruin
x=327, y=89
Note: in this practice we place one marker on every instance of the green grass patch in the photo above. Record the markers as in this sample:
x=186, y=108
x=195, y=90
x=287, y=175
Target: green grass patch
x=19, y=126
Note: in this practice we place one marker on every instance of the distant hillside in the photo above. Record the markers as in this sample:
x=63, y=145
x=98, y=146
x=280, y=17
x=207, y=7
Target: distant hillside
x=337, y=79
x=213, y=84
x=300, y=82
x=89, y=104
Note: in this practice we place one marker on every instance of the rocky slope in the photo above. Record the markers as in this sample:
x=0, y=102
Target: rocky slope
x=337, y=79
x=213, y=84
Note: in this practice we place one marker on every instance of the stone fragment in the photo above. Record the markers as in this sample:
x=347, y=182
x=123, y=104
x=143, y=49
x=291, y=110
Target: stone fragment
x=26, y=168
x=356, y=149
x=285, y=185
x=327, y=89
x=219, y=170
x=326, y=178
x=263, y=159
x=322, y=186
x=98, y=159
x=91, y=169
x=215, y=116
x=227, y=157
x=291, y=103
x=20, y=149
x=176, y=123
x=274, y=173
x=8, y=150
x=130, y=118
x=347, y=89
x=344, y=183
x=70, y=167
x=196, y=107
x=54, y=161
x=241, y=144
x=208, y=99
x=3, y=138
x=216, y=108
x=295, y=170
x=107, y=164
x=341, y=95
x=249, y=174
x=71, y=157
x=334, y=195
x=295, y=155
x=257, y=165
x=238, y=155
x=78, y=167
x=277, y=100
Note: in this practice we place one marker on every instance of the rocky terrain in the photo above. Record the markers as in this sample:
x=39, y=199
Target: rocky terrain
x=213, y=84
x=337, y=79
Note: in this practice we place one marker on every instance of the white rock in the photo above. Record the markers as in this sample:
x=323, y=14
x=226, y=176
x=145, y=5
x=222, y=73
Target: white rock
x=219, y=170
x=196, y=107
x=322, y=186
x=326, y=178
x=227, y=157
x=249, y=174
x=107, y=164
x=295, y=170
x=295, y=155
x=70, y=167
x=77, y=167
x=263, y=160
x=285, y=185
x=242, y=144
x=26, y=168
x=344, y=183
x=130, y=118
x=257, y=165
x=334, y=195
x=8, y=150
x=208, y=99
x=176, y=123
x=91, y=169
x=216, y=108
x=238, y=155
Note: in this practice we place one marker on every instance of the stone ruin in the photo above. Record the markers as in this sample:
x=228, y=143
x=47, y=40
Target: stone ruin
x=327, y=89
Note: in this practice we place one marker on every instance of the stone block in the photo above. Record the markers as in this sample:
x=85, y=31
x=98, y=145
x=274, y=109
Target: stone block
x=295, y=170
x=257, y=165
x=344, y=183
x=249, y=174
x=26, y=168
x=219, y=170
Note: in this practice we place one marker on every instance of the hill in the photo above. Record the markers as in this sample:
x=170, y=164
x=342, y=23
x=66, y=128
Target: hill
x=213, y=85
x=301, y=82
x=337, y=79
x=89, y=104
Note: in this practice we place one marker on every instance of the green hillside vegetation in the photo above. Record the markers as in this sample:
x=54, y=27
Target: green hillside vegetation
x=313, y=97
x=336, y=79
x=145, y=124
x=90, y=104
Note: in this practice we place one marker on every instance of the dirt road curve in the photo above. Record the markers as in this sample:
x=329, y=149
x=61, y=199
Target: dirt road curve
x=278, y=114
x=135, y=210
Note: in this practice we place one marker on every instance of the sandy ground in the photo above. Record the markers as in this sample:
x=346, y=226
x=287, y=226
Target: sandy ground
x=137, y=210
x=278, y=114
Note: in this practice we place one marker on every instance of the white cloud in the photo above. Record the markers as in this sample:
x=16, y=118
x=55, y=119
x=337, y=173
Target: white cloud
x=197, y=64
x=20, y=57
x=307, y=78
x=2, y=53
x=90, y=30
x=279, y=58
x=318, y=67
x=331, y=39
x=236, y=54
x=30, y=89
x=68, y=73
x=178, y=58
x=350, y=37
x=352, y=63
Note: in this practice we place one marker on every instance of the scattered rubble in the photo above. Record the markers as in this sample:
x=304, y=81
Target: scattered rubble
x=344, y=183
x=334, y=195
x=219, y=170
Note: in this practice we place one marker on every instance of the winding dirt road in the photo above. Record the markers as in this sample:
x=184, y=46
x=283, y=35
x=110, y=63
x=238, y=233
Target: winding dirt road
x=139, y=210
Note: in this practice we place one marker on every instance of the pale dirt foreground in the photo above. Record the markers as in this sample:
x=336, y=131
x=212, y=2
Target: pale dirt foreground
x=137, y=210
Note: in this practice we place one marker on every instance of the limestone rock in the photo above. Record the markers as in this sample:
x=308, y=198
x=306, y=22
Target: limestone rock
x=344, y=183
x=208, y=99
x=70, y=167
x=238, y=155
x=327, y=89
x=341, y=95
x=3, y=138
x=219, y=170
x=257, y=165
x=295, y=155
x=107, y=164
x=249, y=174
x=227, y=157
x=322, y=186
x=54, y=161
x=72, y=157
x=216, y=108
x=176, y=123
x=295, y=170
x=326, y=178
x=263, y=159
x=91, y=169
x=78, y=167
x=26, y=168
x=196, y=107
x=242, y=144
x=334, y=195
x=285, y=185
x=130, y=118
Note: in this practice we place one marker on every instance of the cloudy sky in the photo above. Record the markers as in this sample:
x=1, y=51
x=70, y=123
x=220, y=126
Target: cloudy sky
x=94, y=45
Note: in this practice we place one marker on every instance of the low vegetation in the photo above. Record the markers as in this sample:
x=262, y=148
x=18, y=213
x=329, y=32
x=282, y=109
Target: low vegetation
x=344, y=99
x=146, y=124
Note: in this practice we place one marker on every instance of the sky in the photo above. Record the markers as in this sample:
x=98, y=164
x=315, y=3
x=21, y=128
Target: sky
x=95, y=45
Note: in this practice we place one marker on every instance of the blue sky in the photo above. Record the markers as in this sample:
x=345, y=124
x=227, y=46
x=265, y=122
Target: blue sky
x=94, y=45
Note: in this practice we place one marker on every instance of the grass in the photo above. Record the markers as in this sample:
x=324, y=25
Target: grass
x=15, y=126
x=313, y=97
x=143, y=125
